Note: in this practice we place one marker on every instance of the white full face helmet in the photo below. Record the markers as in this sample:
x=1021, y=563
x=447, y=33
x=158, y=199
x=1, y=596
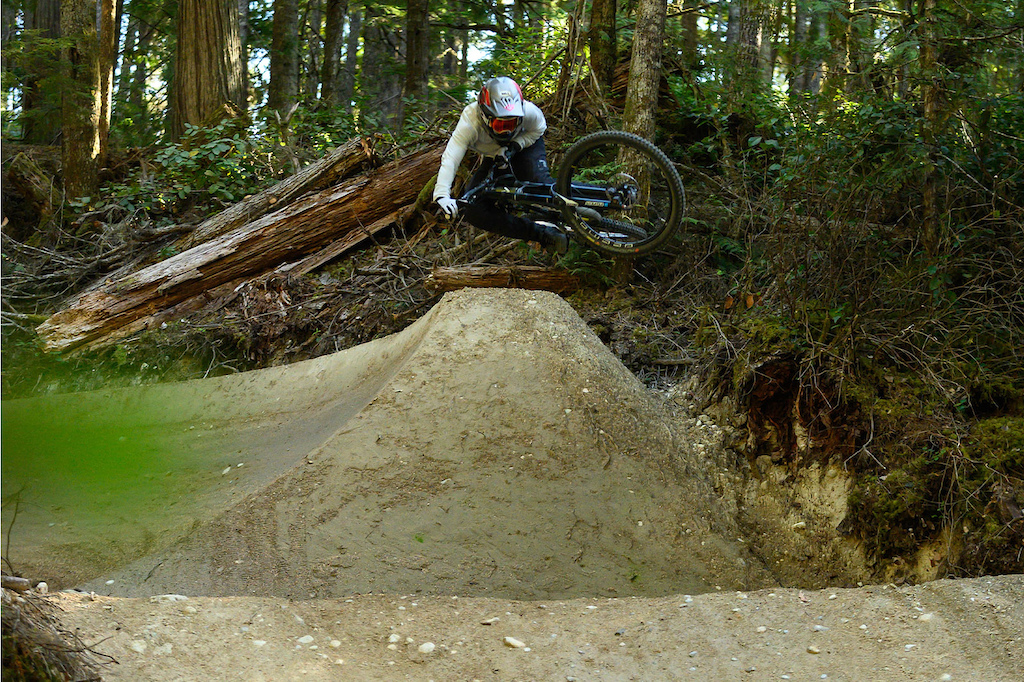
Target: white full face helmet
x=501, y=105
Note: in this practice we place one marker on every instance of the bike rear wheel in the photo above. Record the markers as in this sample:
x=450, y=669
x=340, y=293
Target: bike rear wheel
x=630, y=197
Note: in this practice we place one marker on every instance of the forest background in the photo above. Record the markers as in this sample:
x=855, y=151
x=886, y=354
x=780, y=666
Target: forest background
x=849, y=274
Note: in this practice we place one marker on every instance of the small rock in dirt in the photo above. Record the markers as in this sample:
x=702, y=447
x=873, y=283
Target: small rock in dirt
x=426, y=648
x=490, y=621
x=813, y=650
x=308, y=639
x=168, y=598
x=514, y=643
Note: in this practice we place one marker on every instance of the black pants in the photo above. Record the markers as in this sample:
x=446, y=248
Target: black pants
x=529, y=165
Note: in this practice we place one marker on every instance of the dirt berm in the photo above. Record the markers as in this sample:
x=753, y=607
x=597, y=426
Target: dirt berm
x=363, y=515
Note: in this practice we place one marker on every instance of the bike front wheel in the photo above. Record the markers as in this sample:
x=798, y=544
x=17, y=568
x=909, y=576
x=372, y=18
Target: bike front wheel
x=628, y=197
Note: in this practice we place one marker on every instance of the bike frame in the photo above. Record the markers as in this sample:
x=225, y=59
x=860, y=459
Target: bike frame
x=538, y=195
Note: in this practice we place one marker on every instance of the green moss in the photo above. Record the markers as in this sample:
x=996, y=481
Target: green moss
x=998, y=445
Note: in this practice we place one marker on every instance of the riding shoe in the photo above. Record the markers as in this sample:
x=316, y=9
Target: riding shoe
x=554, y=239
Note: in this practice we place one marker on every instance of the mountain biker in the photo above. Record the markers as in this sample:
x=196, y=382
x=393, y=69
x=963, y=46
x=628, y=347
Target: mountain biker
x=506, y=129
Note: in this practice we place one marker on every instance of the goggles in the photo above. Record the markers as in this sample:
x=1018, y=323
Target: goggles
x=503, y=126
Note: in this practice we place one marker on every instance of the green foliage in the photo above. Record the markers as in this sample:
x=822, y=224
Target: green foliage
x=209, y=167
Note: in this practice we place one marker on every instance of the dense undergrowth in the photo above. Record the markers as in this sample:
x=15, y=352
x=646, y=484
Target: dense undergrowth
x=801, y=286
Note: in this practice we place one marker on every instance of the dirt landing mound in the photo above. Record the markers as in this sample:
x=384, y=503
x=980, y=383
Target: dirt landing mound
x=510, y=454
x=967, y=630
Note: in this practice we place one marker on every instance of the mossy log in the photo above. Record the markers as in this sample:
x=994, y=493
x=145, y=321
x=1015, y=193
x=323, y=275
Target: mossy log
x=520, y=277
x=306, y=226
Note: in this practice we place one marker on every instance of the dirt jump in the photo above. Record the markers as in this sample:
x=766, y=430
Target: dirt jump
x=488, y=494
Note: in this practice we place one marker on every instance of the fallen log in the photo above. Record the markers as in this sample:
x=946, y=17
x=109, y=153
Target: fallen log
x=340, y=246
x=520, y=277
x=132, y=302
x=343, y=162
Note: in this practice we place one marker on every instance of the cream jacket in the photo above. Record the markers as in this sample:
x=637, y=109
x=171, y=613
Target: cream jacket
x=471, y=133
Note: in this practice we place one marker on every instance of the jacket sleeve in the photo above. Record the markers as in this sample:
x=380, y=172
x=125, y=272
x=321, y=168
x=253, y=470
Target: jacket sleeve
x=460, y=141
x=534, y=125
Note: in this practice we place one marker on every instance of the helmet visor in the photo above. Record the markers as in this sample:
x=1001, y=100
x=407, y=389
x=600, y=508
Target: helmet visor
x=505, y=126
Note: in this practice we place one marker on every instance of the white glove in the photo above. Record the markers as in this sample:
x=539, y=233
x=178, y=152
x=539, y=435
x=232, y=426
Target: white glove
x=449, y=206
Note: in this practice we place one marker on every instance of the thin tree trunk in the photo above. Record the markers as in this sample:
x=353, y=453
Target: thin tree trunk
x=128, y=54
x=348, y=75
x=313, y=30
x=381, y=83
x=136, y=100
x=931, y=91
x=109, y=34
x=330, y=74
x=797, y=75
x=417, y=49
x=603, y=42
x=690, y=37
x=243, y=41
x=283, y=90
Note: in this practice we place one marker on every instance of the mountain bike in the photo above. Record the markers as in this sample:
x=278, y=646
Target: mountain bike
x=614, y=192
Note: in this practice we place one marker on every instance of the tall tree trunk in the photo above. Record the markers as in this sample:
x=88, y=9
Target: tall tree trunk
x=770, y=16
x=243, y=41
x=797, y=75
x=859, y=38
x=128, y=54
x=312, y=28
x=932, y=94
x=836, y=67
x=41, y=101
x=602, y=40
x=81, y=105
x=109, y=35
x=381, y=82
x=330, y=74
x=136, y=99
x=283, y=90
x=208, y=66
x=417, y=49
x=815, y=66
x=645, y=68
x=690, y=37
x=347, y=89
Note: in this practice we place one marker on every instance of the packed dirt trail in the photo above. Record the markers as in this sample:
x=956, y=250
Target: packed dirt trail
x=399, y=509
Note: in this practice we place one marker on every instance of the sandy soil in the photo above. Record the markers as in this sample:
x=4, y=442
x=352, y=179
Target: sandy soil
x=969, y=630
x=492, y=461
